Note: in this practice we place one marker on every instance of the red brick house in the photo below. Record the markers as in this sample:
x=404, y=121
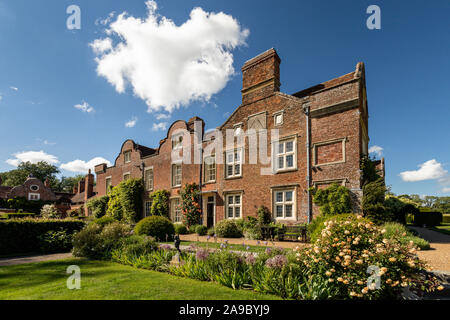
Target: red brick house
x=323, y=132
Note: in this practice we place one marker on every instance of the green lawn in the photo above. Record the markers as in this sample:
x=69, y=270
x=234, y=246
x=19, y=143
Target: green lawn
x=108, y=281
x=443, y=228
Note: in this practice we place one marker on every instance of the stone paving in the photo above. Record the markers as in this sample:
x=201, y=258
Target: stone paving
x=30, y=259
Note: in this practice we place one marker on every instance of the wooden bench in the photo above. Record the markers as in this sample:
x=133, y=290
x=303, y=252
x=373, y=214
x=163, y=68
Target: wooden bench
x=293, y=232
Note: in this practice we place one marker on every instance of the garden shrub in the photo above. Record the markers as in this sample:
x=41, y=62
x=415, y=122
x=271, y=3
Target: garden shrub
x=160, y=228
x=427, y=218
x=22, y=235
x=103, y=221
x=96, y=241
x=180, y=228
x=190, y=204
x=138, y=245
x=228, y=229
x=332, y=200
x=315, y=227
x=373, y=202
x=160, y=203
x=211, y=231
x=19, y=215
x=378, y=213
x=264, y=215
x=398, y=232
x=54, y=241
x=22, y=203
x=201, y=230
x=192, y=228
x=49, y=211
x=345, y=250
x=98, y=206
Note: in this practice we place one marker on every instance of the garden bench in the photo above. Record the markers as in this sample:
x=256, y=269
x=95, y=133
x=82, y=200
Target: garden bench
x=293, y=233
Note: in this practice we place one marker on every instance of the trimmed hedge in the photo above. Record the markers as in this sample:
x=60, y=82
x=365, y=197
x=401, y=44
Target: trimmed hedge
x=427, y=218
x=160, y=228
x=446, y=218
x=22, y=236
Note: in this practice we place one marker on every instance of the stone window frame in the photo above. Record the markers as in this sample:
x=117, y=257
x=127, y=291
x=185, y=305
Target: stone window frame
x=324, y=143
x=32, y=194
x=106, y=183
x=205, y=169
x=175, y=212
x=275, y=154
x=172, y=175
x=234, y=205
x=145, y=178
x=125, y=154
x=284, y=189
x=126, y=174
x=234, y=175
x=341, y=181
x=275, y=114
x=147, y=208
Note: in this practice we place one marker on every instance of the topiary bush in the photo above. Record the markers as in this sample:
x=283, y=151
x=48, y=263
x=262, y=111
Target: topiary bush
x=201, y=230
x=160, y=228
x=180, y=228
x=228, y=229
x=264, y=215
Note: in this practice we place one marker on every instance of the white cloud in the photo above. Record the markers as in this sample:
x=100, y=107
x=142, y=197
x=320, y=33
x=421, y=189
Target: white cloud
x=169, y=65
x=84, y=106
x=33, y=157
x=377, y=150
x=428, y=170
x=1, y=97
x=81, y=166
x=446, y=190
x=159, y=126
x=106, y=20
x=131, y=123
x=14, y=88
x=160, y=116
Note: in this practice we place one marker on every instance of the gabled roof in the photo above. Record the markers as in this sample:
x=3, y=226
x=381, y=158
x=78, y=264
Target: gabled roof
x=4, y=190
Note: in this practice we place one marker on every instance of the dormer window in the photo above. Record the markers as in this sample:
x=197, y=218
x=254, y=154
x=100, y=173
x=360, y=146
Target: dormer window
x=127, y=156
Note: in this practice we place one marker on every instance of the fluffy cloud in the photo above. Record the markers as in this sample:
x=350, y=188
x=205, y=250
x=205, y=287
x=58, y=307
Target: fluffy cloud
x=14, y=88
x=169, y=65
x=85, y=107
x=377, y=150
x=428, y=170
x=33, y=157
x=160, y=116
x=81, y=166
x=131, y=123
x=159, y=126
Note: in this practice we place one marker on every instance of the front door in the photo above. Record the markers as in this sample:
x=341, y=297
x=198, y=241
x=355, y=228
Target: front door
x=210, y=208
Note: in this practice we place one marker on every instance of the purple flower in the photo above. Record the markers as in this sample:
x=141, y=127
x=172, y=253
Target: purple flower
x=165, y=246
x=268, y=250
x=258, y=242
x=202, y=254
x=265, y=243
x=208, y=237
x=250, y=259
x=276, y=262
x=223, y=246
x=247, y=248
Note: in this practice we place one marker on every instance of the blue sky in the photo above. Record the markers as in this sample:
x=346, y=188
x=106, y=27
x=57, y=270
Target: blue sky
x=46, y=70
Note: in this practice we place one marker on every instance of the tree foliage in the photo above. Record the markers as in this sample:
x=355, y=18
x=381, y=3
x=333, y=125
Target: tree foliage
x=160, y=203
x=125, y=200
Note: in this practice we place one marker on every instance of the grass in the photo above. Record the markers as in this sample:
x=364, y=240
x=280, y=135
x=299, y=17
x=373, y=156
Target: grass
x=443, y=228
x=101, y=280
x=214, y=245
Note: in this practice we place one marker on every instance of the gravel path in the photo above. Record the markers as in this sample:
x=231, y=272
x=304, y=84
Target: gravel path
x=31, y=259
x=439, y=255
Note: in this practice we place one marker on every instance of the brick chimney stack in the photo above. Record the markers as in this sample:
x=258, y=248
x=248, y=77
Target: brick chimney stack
x=261, y=76
x=75, y=189
x=81, y=186
x=89, y=192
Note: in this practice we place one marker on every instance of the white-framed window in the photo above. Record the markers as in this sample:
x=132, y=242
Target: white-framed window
x=176, y=174
x=233, y=206
x=284, y=204
x=210, y=169
x=148, y=179
x=175, y=208
x=34, y=188
x=233, y=167
x=34, y=196
x=285, y=155
x=177, y=141
x=127, y=156
x=148, y=208
x=278, y=118
x=126, y=176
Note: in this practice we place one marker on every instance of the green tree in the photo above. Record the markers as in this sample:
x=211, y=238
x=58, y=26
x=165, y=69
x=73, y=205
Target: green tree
x=41, y=170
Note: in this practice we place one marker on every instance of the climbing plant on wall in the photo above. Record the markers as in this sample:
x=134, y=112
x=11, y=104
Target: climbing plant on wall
x=190, y=206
